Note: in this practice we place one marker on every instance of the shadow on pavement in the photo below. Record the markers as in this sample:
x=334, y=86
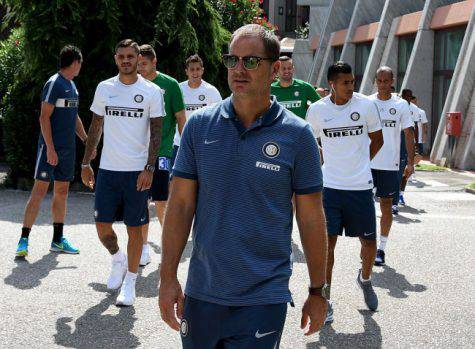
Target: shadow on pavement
x=26, y=275
x=298, y=255
x=394, y=282
x=405, y=220
x=96, y=330
x=411, y=210
x=370, y=338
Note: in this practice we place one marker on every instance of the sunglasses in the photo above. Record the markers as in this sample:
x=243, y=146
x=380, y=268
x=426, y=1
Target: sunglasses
x=249, y=62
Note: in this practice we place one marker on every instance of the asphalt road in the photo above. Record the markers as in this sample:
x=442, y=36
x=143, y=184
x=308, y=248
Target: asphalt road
x=426, y=291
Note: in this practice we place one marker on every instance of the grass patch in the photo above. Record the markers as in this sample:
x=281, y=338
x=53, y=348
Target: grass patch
x=471, y=186
x=430, y=168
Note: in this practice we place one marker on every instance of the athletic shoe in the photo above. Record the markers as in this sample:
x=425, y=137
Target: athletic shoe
x=118, y=271
x=401, y=200
x=379, y=258
x=22, y=248
x=145, y=258
x=395, y=210
x=126, y=296
x=329, y=318
x=370, y=297
x=64, y=246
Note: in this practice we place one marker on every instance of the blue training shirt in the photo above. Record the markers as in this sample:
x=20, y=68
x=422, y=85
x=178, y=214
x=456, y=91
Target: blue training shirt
x=63, y=94
x=243, y=221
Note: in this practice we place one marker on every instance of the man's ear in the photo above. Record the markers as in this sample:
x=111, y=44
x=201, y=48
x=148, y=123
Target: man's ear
x=275, y=69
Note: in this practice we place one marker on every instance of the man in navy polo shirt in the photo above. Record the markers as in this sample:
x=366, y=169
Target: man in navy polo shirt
x=239, y=163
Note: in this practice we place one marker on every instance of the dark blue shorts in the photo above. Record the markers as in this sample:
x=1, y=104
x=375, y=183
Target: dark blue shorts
x=209, y=325
x=63, y=171
x=117, y=198
x=385, y=182
x=420, y=148
x=351, y=210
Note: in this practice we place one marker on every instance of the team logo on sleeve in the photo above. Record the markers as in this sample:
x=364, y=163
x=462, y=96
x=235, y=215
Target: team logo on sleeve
x=201, y=97
x=392, y=111
x=355, y=116
x=184, y=327
x=271, y=150
x=138, y=98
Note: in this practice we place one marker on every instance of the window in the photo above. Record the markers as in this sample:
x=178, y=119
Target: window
x=362, y=55
x=290, y=15
x=447, y=44
x=337, y=53
x=405, y=45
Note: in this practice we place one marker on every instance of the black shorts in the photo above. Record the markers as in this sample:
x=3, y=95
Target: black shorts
x=420, y=148
x=63, y=171
x=161, y=179
x=351, y=210
x=386, y=182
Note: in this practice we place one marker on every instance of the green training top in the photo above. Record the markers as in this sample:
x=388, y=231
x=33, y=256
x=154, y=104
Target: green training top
x=296, y=96
x=173, y=103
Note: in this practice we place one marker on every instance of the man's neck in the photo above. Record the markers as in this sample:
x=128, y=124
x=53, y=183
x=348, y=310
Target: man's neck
x=338, y=101
x=384, y=96
x=128, y=79
x=249, y=110
x=286, y=83
x=67, y=74
x=194, y=83
x=151, y=76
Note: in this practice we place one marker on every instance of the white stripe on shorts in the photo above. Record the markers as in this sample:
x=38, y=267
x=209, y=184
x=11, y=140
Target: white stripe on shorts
x=38, y=159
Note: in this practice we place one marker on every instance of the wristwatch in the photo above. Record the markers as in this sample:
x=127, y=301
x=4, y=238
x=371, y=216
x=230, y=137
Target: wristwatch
x=150, y=168
x=85, y=165
x=321, y=291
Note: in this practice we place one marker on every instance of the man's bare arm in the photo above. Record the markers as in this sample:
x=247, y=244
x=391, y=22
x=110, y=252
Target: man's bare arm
x=180, y=120
x=155, y=139
x=376, y=143
x=80, y=131
x=93, y=137
x=409, y=138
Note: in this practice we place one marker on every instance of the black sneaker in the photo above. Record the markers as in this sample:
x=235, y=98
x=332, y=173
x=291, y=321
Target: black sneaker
x=395, y=210
x=370, y=297
x=379, y=261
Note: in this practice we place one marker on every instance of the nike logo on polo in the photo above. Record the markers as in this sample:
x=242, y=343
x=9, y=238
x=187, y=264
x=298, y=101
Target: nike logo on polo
x=211, y=142
x=260, y=335
x=67, y=91
x=326, y=120
x=113, y=96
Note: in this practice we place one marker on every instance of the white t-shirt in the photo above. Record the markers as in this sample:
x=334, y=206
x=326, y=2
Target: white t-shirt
x=420, y=118
x=395, y=117
x=127, y=110
x=343, y=130
x=196, y=98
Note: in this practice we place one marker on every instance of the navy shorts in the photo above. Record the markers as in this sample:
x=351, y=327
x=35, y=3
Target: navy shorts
x=351, y=210
x=161, y=179
x=117, y=198
x=420, y=148
x=209, y=325
x=402, y=166
x=385, y=182
x=63, y=171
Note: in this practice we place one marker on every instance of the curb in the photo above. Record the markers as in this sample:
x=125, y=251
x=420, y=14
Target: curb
x=471, y=191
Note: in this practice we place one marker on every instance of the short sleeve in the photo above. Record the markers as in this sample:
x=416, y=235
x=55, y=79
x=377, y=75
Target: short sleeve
x=373, y=121
x=307, y=175
x=185, y=163
x=312, y=95
x=99, y=103
x=423, y=116
x=157, y=105
x=176, y=97
x=406, y=118
x=50, y=92
x=215, y=95
x=312, y=119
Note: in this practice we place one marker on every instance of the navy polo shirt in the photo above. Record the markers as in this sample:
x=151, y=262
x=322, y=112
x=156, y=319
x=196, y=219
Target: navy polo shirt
x=243, y=220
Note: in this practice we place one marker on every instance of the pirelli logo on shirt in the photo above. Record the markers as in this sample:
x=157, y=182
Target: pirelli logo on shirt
x=343, y=131
x=291, y=104
x=124, y=112
x=67, y=103
x=389, y=123
x=193, y=107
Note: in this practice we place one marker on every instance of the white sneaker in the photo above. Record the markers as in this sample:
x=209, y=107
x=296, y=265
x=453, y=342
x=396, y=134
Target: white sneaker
x=126, y=296
x=118, y=270
x=145, y=258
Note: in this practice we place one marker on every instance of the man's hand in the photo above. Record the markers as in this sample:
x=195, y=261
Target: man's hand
x=169, y=294
x=408, y=171
x=87, y=176
x=315, y=310
x=51, y=156
x=145, y=180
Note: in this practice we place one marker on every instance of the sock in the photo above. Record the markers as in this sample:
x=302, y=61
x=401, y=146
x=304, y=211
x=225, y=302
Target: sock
x=25, y=232
x=130, y=277
x=119, y=256
x=57, y=232
x=382, y=242
x=361, y=278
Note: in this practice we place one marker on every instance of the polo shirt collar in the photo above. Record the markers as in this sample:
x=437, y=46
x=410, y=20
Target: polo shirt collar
x=272, y=114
